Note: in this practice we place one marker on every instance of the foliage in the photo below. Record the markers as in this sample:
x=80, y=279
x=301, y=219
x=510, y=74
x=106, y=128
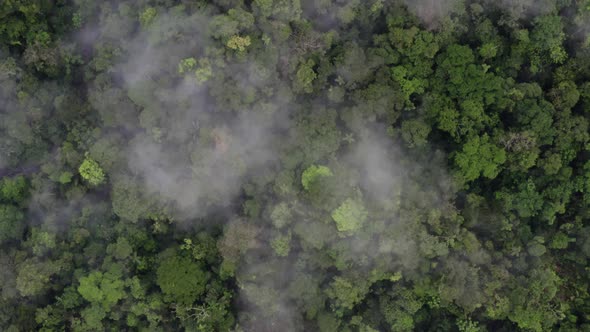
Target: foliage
x=147, y=16
x=91, y=172
x=305, y=77
x=312, y=173
x=238, y=43
x=480, y=157
x=294, y=165
x=13, y=189
x=281, y=245
x=181, y=280
x=102, y=289
x=11, y=222
x=350, y=216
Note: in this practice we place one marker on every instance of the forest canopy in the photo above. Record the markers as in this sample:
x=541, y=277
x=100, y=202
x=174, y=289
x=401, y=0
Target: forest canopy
x=294, y=165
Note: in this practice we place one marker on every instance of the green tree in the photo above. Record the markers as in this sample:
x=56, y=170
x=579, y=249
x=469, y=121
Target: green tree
x=565, y=95
x=181, y=279
x=91, y=172
x=527, y=201
x=238, y=43
x=312, y=173
x=345, y=294
x=415, y=132
x=560, y=241
x=102, y=289
x=33, y=278
x=128, y=201
x=531, y=298
x=304, y=77
x=93, y=317
x=350, y=216
x=147, y=16
x=238, y=238
x=13, y=190
x=281, y=244
x=281, y=215
x=547, y=39
x=408, y=86
x=480, y=157
x=121, y=249
x=11, y=222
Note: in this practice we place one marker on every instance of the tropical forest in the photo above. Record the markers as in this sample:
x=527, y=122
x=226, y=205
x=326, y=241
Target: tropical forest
x=295, y=165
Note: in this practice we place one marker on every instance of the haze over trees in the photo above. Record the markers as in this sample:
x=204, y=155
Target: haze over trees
x=294, y=165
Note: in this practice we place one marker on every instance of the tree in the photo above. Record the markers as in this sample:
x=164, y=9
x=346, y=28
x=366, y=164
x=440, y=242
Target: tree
x=350, y=216
x=304, y=77
x=147, y=16
x=128, y=201
x=13, y=190
x=281, y=244
x=408, y=86
x=33, y=277
x=42, y=54
x=121, y=249
x=181, y=279
x=480, y=157
x=264, y=7
x=281, y=215
x=167, y=164
x=317, y=135
x=415, y=132
x=238, y=238
x=560, y=241
x=531, y=298
x=327, y=322
x=398, y=308
x=312, y=173
x=547, y=38
x=565, y=95
x=91, y=172
x=103, y=290
x=93, y=317
x=238, y=43
x=11, y=223
x=527, y=202
x=345, y=294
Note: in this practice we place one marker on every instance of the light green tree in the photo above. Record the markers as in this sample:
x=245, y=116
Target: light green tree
x=103, y=289
x=480, y=157
x=186, y=65
x=238, y=43
x=13, y=189
x=305, y=76
x=312, y=173
x=92, y=317
x=345, y=294
x=147, y=16
x=350, y=216
x=91, y=171
x=281, y=244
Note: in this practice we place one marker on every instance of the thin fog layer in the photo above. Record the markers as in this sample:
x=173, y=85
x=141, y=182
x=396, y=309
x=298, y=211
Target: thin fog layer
x=194, y=170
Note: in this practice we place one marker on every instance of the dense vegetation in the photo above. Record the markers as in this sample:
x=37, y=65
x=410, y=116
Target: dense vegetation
x=294, y=165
